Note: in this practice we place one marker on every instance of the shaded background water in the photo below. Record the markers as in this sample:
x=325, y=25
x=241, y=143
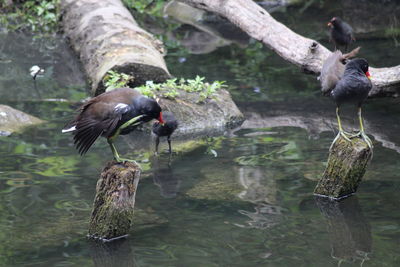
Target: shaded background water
x=250, y=205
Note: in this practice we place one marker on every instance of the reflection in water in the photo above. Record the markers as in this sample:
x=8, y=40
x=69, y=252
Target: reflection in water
x=258, y=183
x=350, y=232
x=264, y=217
x=164, y=178
x=116, y=253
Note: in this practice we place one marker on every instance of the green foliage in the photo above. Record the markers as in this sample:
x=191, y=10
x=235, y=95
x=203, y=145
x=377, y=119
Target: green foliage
x=152, y=7
x=170, y=89
x=37, y=16
x=114, y=80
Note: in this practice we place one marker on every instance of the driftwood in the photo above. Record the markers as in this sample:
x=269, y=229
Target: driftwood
x=106, y=37
x=349, y=231
x=301, y=51
x=112, y=213
x=347, y=163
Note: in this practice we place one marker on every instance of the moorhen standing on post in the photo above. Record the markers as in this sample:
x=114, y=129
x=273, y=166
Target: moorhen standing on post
x=341, y=33
x=353, y=87
x=166, y=129
x=110, y=114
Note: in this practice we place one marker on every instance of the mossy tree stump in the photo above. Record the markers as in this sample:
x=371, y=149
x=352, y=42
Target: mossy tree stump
x=113, y=205
x=347, y=163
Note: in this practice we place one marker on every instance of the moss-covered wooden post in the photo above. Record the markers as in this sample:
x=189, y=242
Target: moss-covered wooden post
x=113, y=205
x=347, y=163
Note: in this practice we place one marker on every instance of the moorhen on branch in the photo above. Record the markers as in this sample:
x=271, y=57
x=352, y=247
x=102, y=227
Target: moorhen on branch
x=341, y=33
x=110, y=114
x=353, y=88
x=166, y=129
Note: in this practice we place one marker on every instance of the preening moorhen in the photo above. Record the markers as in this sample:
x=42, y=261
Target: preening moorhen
x=333, y=69
x=341, y=33
x=110, y=114
x=166, y=129
x=353, y=88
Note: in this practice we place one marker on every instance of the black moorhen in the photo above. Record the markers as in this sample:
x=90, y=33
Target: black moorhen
x=353, y=88
x=341, y=33
x=110, y=114
x=166, y=129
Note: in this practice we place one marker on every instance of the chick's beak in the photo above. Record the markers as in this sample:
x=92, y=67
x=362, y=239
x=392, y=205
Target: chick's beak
x=329, y=24
x=368, y=75
x=160, y=119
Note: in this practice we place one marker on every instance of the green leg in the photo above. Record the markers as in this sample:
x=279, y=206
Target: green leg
x=111, y=139
x=341, y=132
x=363, y=135
x=157, y=143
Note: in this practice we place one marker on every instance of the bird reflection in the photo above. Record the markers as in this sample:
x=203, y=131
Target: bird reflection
x=350, y=232
x=164, y=178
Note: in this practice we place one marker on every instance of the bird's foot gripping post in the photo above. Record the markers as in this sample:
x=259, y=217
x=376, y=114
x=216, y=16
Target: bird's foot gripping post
x=132, y=122
x=114, y=202
x=346, y=166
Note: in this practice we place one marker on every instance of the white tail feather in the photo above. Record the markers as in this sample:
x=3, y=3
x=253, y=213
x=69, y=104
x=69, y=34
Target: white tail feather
x=73, y=128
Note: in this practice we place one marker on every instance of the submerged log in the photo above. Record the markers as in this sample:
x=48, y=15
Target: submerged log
x=113, y=205
x=347, y=163
x=299, y=50
x=106, y=37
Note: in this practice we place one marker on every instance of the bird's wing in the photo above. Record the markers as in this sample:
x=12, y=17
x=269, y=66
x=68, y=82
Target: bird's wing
x=97, y=119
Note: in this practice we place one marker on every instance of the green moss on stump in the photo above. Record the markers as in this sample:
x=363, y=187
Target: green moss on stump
x=112, y=213
x=346, y=166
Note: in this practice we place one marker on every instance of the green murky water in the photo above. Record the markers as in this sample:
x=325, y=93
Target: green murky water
x=251, y=205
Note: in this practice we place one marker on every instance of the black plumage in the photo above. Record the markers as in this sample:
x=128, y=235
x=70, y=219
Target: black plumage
x=333, y=69
x=341, y=33
x=166, y=129
x=353, y=88
x=110, y=114
x=355, y=85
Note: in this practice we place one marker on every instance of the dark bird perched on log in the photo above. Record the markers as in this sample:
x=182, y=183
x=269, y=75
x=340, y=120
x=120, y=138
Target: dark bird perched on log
x=166, y=129
x=341, y=33
x=110, y=114
x=353, y=88
x=333, y=69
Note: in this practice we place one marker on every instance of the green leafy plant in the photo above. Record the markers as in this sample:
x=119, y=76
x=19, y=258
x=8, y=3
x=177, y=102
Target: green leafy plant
x=115, y=79
x=170, y=89
x=37, y=16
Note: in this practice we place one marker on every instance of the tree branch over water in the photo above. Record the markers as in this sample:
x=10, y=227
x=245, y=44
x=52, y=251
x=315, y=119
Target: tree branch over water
x=301, y=51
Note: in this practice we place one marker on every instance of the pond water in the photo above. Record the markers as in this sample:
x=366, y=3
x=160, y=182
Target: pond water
x=242, y=199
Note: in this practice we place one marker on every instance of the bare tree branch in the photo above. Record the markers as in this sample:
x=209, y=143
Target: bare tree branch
x=299, y=50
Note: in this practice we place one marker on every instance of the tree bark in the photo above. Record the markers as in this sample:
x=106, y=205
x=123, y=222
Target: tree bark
x=106, y=37
x=347, y=163
x=113, y=205
x=301, y=51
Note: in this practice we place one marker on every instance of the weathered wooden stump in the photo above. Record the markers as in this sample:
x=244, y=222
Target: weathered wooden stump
x=112, y=213
x=106, y=37
x=349, y=231
x=347, y=163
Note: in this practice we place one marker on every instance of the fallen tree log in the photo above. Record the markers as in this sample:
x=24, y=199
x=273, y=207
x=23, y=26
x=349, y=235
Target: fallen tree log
x=106, y=37
x=299, y=50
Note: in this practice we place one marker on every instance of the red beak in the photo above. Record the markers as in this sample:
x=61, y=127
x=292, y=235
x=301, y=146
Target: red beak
x=160, y=119
x=368, y=75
